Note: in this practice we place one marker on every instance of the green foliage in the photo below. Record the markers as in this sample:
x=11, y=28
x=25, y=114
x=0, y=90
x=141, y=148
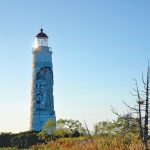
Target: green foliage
x=47, y=133
x=5, y=139
x=49, y=126
x=73, y=128
x=125, y=125
x=122, y=125
x=104, y=128
x=62, y=128
x=45, y=137
x=25, y=140
x=8, y=148
x=20, y=140
x=109, y=133
x=60, y=133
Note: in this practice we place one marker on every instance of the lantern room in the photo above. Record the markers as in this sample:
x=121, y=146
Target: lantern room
x=41, y=39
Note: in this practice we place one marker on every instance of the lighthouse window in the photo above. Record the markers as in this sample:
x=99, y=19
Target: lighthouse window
x=42, y=42
x=38, y=102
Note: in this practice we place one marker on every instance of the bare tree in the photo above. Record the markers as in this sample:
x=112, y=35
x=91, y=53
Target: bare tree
x=141, y=109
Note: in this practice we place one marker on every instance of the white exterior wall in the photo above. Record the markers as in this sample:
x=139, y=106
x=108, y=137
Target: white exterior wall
x=42, y=101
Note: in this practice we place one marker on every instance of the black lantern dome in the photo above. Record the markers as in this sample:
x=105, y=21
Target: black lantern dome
x=41, y=34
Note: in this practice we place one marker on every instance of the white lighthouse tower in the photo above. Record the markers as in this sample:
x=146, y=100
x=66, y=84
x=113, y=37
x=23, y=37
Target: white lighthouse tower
x=42, y=100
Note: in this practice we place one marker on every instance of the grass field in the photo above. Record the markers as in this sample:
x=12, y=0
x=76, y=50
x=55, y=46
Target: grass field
x=98, y=143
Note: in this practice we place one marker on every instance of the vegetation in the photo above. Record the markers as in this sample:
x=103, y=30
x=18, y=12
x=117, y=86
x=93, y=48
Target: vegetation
x=65, y=128
x=70, y=134
x=102, y=142
x=140, y=111
x=20, y=140
x=129, y=132
x=107, y=135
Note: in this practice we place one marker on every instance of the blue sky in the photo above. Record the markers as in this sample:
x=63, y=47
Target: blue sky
x=98, y=47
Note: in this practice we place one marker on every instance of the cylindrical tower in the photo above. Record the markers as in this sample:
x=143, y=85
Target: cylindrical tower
x=42, y=100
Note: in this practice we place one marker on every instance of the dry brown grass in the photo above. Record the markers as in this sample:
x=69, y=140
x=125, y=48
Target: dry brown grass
x=129, y=142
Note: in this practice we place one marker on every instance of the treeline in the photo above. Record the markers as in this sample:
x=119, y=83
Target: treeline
x=66, y=128
x=20, y=140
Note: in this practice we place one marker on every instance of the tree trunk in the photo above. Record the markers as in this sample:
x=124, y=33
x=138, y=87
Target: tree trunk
x=146, y=112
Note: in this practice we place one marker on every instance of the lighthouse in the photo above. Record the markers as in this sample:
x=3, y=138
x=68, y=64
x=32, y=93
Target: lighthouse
x=42, y=99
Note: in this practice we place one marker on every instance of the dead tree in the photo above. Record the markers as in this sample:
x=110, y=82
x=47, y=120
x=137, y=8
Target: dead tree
x=146, y=86
x=142, y=108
